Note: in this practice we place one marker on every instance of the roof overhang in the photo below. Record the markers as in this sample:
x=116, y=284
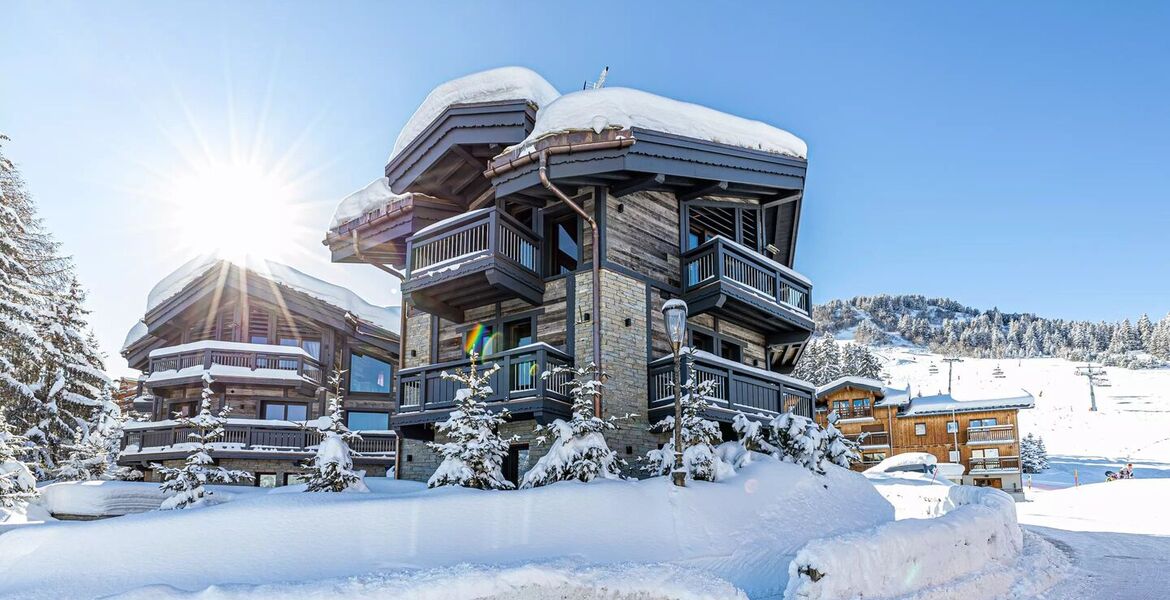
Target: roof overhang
x=379, y=235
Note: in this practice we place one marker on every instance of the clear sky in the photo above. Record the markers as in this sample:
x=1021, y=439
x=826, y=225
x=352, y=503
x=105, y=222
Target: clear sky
x=1016, y=157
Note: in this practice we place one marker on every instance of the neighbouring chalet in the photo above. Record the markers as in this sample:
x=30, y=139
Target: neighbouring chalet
x=982, y=435
x=488, y=209
x=270, y=337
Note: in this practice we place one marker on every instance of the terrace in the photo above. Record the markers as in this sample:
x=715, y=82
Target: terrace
x=162, y=440
x=233, y=362
x=738, y=388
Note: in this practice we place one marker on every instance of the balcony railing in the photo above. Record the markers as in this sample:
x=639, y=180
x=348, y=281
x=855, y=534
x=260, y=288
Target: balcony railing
x=423, y=388
x=472, y=235
x=991, y=434
x=738, y=388
x=720, y=259
x=872, y=439
x=248, y=435
x=997, y=464
x=205, y=355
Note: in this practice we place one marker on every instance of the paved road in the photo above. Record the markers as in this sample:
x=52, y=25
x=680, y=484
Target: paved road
x=1111, y=566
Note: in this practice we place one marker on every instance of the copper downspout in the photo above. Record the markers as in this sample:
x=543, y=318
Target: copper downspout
x=596, y=268
x=401, y=339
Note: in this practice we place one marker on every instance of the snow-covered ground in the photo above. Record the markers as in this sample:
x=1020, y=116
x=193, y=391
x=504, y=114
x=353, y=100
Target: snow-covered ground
x=1132, y=423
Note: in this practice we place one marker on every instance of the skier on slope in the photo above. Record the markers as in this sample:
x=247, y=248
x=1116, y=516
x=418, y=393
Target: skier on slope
x=1127, y=472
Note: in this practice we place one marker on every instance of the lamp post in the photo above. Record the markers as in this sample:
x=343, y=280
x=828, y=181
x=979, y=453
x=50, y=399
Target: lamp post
x=674, y=317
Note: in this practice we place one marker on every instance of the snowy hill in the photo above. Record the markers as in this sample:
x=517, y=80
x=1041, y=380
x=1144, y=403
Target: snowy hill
x=1132, y=422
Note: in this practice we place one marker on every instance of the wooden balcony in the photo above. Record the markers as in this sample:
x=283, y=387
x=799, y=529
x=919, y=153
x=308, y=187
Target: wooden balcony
x=425, y=397
x=233, y=362
x=992, y=434
x=477, y=258
x=871, y=439
x=1002, y=464
x=740, y=285
x=738, y=388
x=245, y=438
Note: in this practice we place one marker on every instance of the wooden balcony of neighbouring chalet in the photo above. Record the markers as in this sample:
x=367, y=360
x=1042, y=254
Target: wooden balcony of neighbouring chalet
x=871, y=439
x=233, y=363
x=245, y=438
x=425, y=397
x=738, y=388
x=992, y=465
x=991, y=434
x=740, y=285
x=477, y=258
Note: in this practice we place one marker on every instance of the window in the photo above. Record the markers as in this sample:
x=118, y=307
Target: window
x=861, y=407
x=982, y=422
x=516, y=463
x=842, y=408
x=703, y=341
x=480, y=339
x=739, y=223
x=313, y=347
x=730, y=350
x=920, y=429
x=562, y=243
x=258, y=326
x=184, y=409
x=367, y=421
x=952, y=426
x=266, y=480
x=293, y=478
x=368, y=374
x=518, y=333
x=285, y=411
x=953, y=456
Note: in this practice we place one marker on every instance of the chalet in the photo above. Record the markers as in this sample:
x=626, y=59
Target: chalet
x=540, y=229
x=982, y=435
x=270, y=337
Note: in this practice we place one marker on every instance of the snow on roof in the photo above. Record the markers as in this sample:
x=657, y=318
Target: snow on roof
x=375, y=194
x=493, y=85
x=852, y=381
x=385, y=317
x=944, y=403
x=623, y=108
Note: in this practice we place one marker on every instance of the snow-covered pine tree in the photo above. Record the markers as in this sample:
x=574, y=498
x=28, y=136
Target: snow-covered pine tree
x=473, y=455
x=1033, y=457
x=753, y=437
x=86, y=459
x=331, y=469
x=579, y=451
x=837, y=448
x=699, y=436
x=17, y=483
x=185, y=484
x=799, y=440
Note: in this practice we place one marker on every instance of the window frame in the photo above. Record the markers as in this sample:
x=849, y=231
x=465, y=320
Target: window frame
x=370, y=411
x=550, y=219
x=351, y=352
x=917, y=426
x=260, y=476
x=737, y=236
x=264, y=404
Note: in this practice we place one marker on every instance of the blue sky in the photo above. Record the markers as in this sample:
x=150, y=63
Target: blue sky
x=1013, y=157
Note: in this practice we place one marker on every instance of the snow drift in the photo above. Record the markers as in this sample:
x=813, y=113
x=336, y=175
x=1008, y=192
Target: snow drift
x=912, y=555
x=745, y=531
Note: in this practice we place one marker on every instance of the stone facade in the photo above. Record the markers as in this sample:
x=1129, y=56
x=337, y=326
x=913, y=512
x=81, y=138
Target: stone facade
x=281, y=468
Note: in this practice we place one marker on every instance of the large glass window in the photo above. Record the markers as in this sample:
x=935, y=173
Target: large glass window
x=561, y=240
x=480, y=339
x=313, y=347
x=285, y=411
x=518, y=333
x=368, y=374
x=367, y=421
x=702, y=341
x=266, y=480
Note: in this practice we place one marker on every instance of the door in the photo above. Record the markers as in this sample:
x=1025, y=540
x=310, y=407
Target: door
x=995, y=483
x=517, y=463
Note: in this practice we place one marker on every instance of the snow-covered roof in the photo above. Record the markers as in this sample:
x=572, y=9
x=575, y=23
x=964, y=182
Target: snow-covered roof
x=375, y=194
x=493, y=85
x=625, y=108
x=864, y=383
x=944, y=403
x=385, y=317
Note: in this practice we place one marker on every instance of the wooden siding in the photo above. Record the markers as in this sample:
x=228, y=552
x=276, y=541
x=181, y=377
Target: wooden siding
x=642, y=235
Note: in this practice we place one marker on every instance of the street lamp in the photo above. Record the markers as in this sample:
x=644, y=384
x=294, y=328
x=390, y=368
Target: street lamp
x=674, y=317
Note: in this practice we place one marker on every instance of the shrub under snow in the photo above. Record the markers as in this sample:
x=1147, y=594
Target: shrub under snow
x=17, y=483
x=578, y=451
x=799, y=440
x=699, y=436
x=474, y=454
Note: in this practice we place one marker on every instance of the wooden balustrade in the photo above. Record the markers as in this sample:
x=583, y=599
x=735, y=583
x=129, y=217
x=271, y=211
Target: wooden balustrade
x=737, y=387
x=991, y=434
x=871, y=438
x=251, y=436
x=490, y=232
x=1000, y=463
x=519, y=376
x=720, y=259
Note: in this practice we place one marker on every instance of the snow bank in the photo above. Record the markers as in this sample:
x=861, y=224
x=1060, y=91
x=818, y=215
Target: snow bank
x=493, y=85
x=374, y=195
x=912, y=555
x=23, y=514
x=623, y=108
x=745, y=531
x=467, y=582
x=113, y=498
x=915, y=495
x=1124, y=506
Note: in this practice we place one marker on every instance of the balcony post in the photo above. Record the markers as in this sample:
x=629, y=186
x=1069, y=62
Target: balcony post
x=206, y=359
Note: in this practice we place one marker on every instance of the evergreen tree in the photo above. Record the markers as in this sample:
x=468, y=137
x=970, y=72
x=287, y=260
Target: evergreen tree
x=1033, y=455
x=579, y=451
x=699, y=435
x=474, y=454
x=799, y=440
x=184, y=485
x=1144, y=332
x=17, y=483
x=837, y=448
x=86, y=459
x=331, y=469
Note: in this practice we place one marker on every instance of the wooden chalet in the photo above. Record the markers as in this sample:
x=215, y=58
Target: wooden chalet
x=270, y=338
x=491, y=222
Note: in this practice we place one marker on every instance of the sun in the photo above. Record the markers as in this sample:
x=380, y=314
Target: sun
x=234, y=209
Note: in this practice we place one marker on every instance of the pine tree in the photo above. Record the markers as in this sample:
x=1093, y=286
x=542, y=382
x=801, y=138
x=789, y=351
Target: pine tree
x=753, y=437
x=699, y=435
x=86, y=459
x=837, y=448
x=331, y=469
x=799, y=440
x=17, y=483
x=579, y=451
x=474, y=454
x=185, y=484
x=1033, y=455
x=1144, y=332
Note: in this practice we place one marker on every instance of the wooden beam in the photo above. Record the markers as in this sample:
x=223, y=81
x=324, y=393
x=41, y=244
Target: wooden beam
x=702, y=190
x=479, y=165
x=431, y=305
x=458, y=188
x=483, y=199
x=638, y=185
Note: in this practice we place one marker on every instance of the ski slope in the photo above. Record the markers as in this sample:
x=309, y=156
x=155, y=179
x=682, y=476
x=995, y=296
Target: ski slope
x=1132, y=423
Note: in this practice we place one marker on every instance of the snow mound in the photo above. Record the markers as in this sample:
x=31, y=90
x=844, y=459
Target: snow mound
x=744, y=531
x=374, y=195
x=113, y=498
x=493, y=85
x=906, y=461
x=1123, y=506
x=623, y=108
x=468, y=582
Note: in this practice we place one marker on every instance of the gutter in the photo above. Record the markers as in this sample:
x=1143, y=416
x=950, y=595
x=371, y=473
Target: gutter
x=543, y=154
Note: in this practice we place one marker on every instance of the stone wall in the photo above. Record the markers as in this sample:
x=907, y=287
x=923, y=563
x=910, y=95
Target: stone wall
x=261, y=465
